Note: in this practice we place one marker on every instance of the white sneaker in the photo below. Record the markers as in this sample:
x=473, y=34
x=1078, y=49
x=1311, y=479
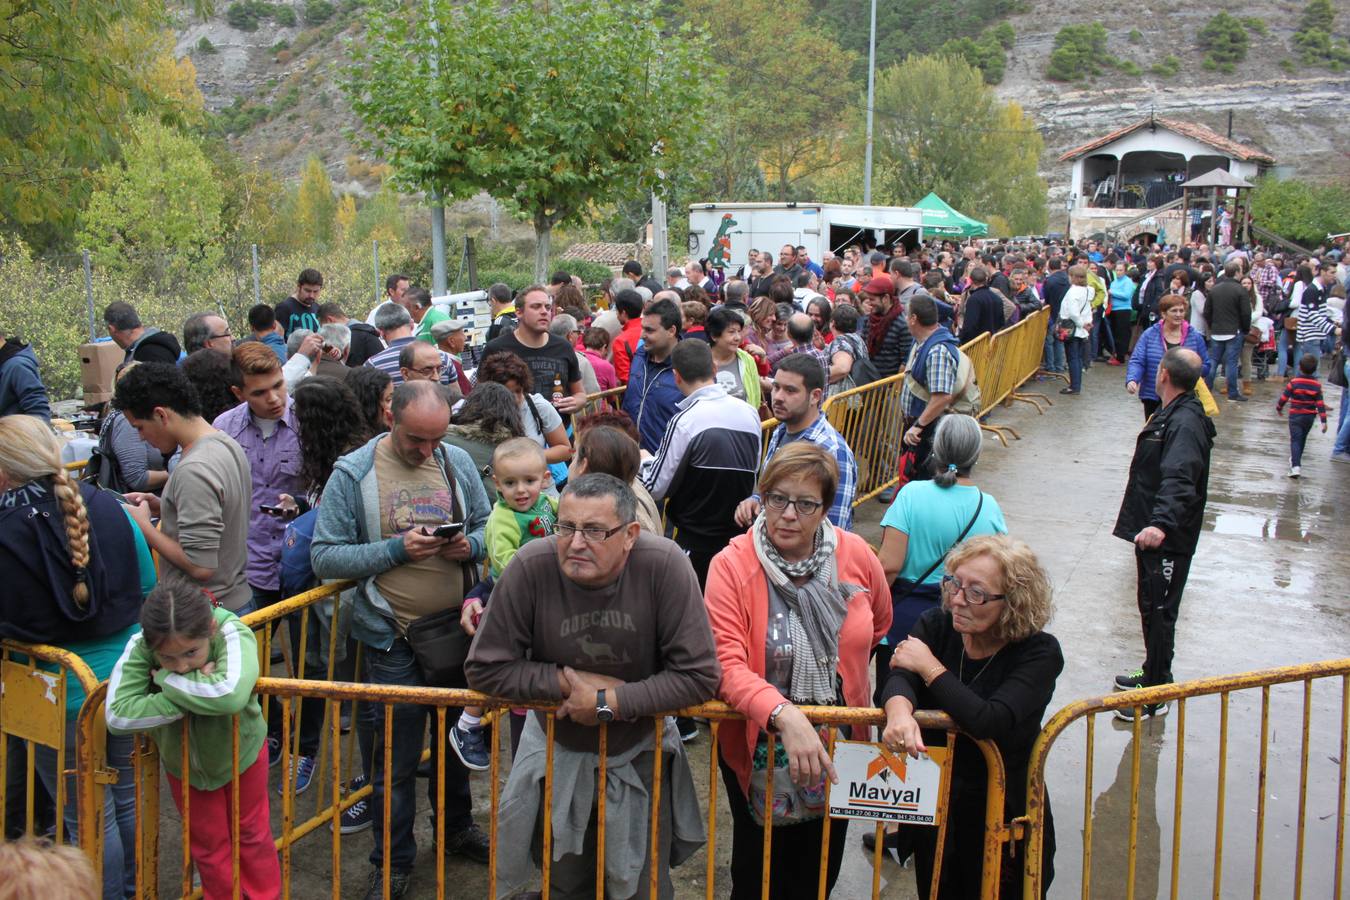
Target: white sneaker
x=1294, y=471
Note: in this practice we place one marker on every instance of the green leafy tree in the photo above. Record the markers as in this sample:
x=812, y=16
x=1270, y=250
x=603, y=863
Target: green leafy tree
x=988, y=54
x=1224, y=41
x=907, y=27
x=1078, y=52
x=72, y=77
x=940, y=128
x=1301, y=210
x=315, y=205
x=781, y=112
x=157, y=213
x=587, y=101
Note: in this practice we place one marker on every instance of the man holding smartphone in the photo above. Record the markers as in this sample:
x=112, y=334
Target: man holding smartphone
x=377, y=524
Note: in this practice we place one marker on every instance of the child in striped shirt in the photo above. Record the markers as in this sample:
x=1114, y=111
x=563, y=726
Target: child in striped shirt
x=1303, y=393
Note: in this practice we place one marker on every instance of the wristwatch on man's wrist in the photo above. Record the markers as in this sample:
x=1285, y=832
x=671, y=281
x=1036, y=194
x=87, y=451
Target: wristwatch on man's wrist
x=602, y=708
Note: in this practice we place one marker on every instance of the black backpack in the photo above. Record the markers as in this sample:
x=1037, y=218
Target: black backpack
x=864, y=371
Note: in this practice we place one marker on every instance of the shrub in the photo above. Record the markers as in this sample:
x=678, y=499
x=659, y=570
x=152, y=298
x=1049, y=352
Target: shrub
x=1004, y=34
x=1130, y=67
x=1077, y=52
x=280, y=45
x=284, y=15
x=1169, y=66
x=1312, y=41
x=204, y=45
x=989, y=53
x=1224, y=40
x=1287, y=64
x=284, y=57
x=243, y=16
x=318, y=11
x=44, y=302
x=1255, y=25
x=1136, y=36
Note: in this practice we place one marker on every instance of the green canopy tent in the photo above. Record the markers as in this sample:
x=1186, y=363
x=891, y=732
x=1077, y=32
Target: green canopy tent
x=941, y=220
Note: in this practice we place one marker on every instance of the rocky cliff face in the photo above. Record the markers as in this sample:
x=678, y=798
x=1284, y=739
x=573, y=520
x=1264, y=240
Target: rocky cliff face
x=1299, y=117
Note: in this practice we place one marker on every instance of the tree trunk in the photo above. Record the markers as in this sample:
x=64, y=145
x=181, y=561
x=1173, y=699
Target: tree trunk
x=543, y=239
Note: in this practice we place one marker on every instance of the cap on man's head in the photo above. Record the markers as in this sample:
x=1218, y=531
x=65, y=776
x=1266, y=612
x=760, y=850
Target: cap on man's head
x=445, y=328
x=880, y=285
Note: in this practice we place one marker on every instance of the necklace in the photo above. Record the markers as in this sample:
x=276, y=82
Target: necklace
x=961, y=668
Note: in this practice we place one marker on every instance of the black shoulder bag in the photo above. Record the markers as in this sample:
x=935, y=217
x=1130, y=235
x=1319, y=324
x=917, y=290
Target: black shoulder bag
x=437, y=641
x=943, y=558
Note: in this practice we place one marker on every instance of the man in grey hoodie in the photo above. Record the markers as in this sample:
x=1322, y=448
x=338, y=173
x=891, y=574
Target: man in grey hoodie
x=375, y=522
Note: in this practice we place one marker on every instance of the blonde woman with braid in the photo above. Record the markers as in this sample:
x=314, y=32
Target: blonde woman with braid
x=75, y=570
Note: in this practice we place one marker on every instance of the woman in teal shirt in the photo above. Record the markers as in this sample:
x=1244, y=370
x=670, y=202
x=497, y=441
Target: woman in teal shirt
x=925, y=521
x=1122, y=290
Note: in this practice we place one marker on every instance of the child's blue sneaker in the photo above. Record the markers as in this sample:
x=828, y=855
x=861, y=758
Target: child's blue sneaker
x=470, y=747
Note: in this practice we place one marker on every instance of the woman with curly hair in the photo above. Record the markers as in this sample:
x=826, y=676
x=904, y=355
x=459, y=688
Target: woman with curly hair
x=539, y=420
x=489, y=417
x=982, y=658
x=331, y=424
x=374, y=392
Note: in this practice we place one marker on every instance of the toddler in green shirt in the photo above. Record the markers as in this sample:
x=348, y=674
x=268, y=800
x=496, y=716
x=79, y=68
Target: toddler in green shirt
x=521, y=514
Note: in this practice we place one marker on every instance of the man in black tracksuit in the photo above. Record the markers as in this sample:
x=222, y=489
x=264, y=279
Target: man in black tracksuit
x=1162, y=512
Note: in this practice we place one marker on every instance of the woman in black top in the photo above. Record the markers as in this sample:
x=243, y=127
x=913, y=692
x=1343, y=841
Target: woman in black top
x=983, y=659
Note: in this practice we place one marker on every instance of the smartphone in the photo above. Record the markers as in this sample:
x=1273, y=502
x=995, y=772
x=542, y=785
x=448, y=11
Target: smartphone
x=448, y=530
x=278, y=511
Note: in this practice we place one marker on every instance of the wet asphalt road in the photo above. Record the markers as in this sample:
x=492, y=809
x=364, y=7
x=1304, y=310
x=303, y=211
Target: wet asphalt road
x=1268, y=587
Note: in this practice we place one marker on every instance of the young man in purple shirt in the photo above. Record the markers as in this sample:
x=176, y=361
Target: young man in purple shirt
x=263, y=425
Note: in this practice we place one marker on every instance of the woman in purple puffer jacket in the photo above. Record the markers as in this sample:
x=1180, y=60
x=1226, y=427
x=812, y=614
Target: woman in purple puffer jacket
x=1171, y=330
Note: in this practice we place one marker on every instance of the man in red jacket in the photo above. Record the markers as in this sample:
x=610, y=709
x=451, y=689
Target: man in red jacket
x=628, y=307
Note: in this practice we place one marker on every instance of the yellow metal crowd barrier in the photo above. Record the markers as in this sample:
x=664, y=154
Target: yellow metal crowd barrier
x=339, y=765
x=1275, y=764
x=870, y=419
x=35, y=683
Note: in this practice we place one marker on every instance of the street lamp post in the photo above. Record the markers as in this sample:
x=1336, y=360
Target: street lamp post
x=871, y=93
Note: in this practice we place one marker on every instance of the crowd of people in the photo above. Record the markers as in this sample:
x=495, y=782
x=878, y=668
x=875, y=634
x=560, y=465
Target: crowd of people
x=619, y=559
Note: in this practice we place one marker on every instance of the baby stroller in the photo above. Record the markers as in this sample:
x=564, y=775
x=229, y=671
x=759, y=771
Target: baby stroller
x=1264, y=356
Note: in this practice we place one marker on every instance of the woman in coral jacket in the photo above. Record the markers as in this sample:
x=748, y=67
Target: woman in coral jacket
x=796, y=607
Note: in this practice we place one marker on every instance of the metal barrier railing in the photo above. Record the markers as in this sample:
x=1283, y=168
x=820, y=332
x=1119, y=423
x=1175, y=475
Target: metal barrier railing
x=870, y=419
x=1214, y=760
x=35, y=701
x=997, y=832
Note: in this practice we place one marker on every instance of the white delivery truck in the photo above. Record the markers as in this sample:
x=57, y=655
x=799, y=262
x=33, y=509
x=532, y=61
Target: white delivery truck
x=724, y=232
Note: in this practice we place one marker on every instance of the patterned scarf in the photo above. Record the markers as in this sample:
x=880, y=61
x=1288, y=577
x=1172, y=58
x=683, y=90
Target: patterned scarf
x=815, y=611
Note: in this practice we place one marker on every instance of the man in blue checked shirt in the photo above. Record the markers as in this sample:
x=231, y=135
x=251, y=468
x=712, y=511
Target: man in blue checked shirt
x=798, y=389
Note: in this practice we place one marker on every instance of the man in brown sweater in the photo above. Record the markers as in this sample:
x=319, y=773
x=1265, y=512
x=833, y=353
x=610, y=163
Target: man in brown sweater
x=609, y=621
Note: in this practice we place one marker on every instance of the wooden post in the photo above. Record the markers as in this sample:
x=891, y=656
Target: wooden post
x=1115, y=201
x=1214, y=220
x=1185, y=217
x=1246, y=221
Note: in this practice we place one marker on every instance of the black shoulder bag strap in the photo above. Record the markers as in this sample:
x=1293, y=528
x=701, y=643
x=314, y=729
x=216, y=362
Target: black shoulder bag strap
x=943, y=558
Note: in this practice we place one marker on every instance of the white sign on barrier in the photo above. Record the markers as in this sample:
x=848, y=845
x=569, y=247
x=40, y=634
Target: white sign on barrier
x=876, y=784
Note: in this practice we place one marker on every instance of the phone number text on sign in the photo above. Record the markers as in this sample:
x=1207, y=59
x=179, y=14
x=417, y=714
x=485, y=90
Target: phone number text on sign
x=876, y=784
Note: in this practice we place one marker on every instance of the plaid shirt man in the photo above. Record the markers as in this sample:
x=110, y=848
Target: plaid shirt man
x=822, y=433
x=1268, y=285
x=941, y=371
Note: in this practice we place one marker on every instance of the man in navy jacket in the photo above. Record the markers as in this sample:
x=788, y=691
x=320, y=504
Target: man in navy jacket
x=652, y=395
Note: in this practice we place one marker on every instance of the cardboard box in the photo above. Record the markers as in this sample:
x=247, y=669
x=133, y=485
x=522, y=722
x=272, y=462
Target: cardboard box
x=98, y=366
